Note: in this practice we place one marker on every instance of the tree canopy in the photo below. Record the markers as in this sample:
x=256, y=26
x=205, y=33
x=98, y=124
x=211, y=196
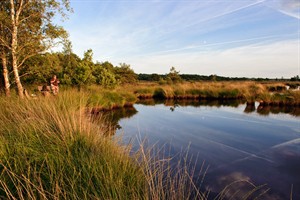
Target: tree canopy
x=27, y=30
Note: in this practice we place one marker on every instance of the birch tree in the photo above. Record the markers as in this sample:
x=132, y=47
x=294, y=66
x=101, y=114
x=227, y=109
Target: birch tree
x=31, y=30
x=4, y=46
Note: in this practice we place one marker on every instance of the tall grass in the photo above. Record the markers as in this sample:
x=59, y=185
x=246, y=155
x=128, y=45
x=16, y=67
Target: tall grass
x=250, y=91
x=51, y=149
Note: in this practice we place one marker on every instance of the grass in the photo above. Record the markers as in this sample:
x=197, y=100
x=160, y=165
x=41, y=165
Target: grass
x=51, y=149
x=268, y=93
x=250, y=91
x=102, y=99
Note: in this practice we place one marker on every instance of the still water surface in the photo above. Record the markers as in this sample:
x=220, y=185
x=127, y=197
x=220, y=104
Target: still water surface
x=234, y=142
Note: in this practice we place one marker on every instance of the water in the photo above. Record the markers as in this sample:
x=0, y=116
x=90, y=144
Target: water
x=235, y=142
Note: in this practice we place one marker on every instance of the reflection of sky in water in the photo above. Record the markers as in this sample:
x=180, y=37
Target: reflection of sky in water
x=263, y=149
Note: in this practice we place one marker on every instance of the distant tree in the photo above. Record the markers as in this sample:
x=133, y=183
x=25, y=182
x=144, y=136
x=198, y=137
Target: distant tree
x=295, y=78
x=173, y=75
x=155, y=77
x=125, y=74
x=213, y=77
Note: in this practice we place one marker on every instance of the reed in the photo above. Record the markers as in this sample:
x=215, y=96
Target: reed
x=50, y=148
x=250, y=91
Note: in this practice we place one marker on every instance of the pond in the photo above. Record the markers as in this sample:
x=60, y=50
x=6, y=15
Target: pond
x=233, y=141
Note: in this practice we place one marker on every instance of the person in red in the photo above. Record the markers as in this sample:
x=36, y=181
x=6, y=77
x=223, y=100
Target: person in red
x=54, y=85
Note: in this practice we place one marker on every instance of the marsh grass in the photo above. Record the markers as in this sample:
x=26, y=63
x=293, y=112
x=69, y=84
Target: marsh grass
x=51, y=149
x=167, y=179
x=250, y=91
x=108, y=100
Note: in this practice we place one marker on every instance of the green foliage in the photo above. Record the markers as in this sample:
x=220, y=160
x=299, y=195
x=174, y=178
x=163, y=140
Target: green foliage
x=88, y=56
x=30, y=31
x=104, y=77
x=68, y=62
x=125, y=74
x=77, y=72
x=173, y=76
x=82, y=75
x=40, y=68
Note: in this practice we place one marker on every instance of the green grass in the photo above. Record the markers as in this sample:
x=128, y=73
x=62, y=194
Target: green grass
x=110, y=99
x=50, y=148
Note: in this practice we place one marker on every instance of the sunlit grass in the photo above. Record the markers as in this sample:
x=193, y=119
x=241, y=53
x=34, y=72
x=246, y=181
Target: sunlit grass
x=51, y=149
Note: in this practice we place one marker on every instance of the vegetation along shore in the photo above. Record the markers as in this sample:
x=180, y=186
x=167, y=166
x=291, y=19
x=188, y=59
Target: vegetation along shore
x=53, y=146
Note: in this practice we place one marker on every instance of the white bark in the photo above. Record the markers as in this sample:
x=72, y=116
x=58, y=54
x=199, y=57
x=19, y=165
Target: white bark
x=14, y=44
x=5, y=74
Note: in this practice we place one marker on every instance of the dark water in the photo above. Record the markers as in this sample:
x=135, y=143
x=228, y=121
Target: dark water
x=235, y=142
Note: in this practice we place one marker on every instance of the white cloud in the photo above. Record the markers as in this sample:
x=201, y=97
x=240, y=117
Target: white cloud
x=269, y=60
x=152, y=36
x=287, y=7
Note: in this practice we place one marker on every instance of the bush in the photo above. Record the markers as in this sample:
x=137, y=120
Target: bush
x=159, y=93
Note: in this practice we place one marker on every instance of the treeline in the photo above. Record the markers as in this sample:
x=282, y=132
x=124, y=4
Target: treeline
x=196, y=77
x=74, y=71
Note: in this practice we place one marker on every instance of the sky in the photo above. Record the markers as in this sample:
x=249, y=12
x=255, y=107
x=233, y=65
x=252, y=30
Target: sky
x=235, y=38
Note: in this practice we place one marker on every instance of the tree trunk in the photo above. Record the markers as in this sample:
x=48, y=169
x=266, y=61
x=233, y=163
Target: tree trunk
x=5, y=75
x=14, y=46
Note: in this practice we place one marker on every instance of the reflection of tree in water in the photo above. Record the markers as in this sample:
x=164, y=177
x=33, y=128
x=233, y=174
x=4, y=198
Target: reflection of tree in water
x=173, y=103
x=249, y=108
x=111, y=119
x=267, y=109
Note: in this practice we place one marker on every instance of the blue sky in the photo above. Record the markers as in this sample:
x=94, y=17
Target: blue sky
x=237, y=38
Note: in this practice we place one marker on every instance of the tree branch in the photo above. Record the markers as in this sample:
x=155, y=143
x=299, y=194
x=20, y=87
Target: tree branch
x=24, y=59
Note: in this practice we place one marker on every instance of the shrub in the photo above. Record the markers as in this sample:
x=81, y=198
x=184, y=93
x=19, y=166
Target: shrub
x=159, y=93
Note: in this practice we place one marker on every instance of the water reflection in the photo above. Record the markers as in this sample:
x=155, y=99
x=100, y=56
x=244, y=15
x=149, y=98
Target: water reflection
x=233, y=181
x=110, y=119
x=267, y=109
x=249, y=108
x=191, y=102
x=236, y=141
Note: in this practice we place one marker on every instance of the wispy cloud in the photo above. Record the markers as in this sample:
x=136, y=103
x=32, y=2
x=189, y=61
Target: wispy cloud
x=151, y=35
x=287, y=7
x=275, y=60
